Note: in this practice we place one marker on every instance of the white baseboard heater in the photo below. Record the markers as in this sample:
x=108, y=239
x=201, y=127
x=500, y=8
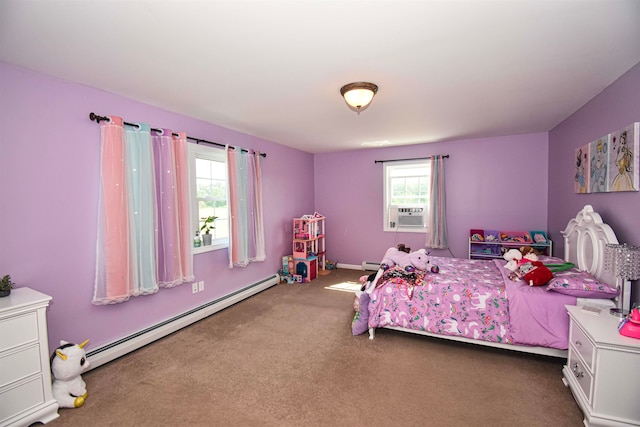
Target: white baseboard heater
x=370, y=265
x=112, y=351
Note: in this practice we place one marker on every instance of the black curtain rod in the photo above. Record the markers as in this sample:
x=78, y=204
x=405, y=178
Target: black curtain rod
x=96, y=118
x=446, y=156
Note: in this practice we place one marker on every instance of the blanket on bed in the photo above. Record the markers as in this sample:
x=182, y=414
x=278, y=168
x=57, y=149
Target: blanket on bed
x=472, y=299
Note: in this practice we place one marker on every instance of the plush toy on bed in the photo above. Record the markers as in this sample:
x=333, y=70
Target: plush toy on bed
x=67, y=363
x=527, y=267
x=417, y=260
x=513, y=256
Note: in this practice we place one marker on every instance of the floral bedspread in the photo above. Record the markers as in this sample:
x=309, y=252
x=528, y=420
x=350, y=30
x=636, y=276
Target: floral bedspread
x=466, y=298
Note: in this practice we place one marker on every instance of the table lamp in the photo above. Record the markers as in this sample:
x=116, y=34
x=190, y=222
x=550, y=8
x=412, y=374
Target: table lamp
x=623, y=261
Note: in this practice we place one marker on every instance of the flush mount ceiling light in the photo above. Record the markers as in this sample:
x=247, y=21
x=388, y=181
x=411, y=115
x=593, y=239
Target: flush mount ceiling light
x=358, y=95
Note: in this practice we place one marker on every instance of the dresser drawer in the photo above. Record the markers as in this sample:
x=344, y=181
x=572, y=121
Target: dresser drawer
x=18, y=330
x=19, y=364
x=580, y=374
x=22, y=396
x=582, y=345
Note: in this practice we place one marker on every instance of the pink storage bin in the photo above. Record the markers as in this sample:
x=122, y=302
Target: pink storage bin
x=476, y=235
x=515, y=237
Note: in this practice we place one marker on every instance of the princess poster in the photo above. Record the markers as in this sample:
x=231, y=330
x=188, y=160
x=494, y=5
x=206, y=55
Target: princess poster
x=623, y=159
x=581, y=175
x=599, y=165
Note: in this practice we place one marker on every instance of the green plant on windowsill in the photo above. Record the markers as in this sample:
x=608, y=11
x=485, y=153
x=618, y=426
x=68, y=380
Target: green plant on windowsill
x=208, y=224
x=5, y=286
x=206, y=227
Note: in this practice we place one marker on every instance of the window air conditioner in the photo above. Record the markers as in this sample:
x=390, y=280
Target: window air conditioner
x=411, y=217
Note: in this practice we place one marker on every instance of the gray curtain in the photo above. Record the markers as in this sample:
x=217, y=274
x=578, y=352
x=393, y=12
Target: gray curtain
x=437, y=237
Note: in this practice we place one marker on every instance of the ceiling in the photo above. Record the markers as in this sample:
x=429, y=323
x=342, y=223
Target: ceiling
x=446, y=70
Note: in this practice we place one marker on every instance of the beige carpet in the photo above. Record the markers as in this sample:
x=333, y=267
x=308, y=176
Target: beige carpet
x=286, y=357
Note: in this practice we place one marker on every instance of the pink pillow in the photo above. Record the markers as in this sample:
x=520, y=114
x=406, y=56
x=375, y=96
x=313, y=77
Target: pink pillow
x=360, y=323
x=580, y=284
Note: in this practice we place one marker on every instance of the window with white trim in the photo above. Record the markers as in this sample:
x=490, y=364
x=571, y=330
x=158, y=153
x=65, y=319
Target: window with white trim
x=406, y=195
x=208, y=179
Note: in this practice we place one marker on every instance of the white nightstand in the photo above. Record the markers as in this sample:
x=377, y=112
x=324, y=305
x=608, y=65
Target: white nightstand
x=603, y=369
x=25, y=375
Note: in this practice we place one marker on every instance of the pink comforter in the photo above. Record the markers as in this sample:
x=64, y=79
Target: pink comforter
x=472, y=299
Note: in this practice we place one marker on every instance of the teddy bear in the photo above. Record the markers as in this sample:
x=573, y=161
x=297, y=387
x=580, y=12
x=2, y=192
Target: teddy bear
x=417, y=260
x=67, y=363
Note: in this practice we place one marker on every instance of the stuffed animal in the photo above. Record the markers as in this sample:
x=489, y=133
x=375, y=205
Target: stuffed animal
x=534, y=273
x=67, y=363
x=417, y=260
x=529, y=251
x=513, y=257
x=527, y=267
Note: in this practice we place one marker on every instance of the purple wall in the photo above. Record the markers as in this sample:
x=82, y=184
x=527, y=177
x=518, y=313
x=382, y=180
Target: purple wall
x=615, y=107
x=49, y=175
x=49, y=178
x=495, y=183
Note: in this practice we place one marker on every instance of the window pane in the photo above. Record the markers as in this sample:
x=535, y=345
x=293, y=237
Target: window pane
x=204, y=189
x=218, y=171
x=405, y=185
x=211, y=194
x=203, y=168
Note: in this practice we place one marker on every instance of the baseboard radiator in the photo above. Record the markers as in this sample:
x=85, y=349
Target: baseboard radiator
x=112, y=351
x=370, y=265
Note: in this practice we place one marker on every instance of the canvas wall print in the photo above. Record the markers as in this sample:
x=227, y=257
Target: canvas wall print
x=581, y=176
x=599, y=165
x=623, y=159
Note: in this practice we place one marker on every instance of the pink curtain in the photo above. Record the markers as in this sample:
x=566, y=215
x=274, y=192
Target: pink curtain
x=113, y=275
x=184, y=216
x=246, y=229
x=144, y=241
x=169, y=262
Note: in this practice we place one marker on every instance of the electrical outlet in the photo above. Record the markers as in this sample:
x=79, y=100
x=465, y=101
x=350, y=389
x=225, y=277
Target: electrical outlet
x=194, y=287
x=201, y=286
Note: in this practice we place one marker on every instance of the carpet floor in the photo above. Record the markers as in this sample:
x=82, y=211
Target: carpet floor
x=286, y=357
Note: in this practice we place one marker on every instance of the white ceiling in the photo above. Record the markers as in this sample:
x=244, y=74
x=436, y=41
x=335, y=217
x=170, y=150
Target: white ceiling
x=445, y=69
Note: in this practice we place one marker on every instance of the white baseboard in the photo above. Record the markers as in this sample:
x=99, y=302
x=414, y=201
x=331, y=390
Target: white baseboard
x=112, y=351
x=366, y=265
x=349, y=266
x=370, y=265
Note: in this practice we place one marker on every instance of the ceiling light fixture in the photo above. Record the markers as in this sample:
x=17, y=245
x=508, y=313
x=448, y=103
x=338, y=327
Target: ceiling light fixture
x=358, y=95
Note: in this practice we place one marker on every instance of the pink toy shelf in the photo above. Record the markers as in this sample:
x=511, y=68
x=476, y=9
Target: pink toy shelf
x=308, y=246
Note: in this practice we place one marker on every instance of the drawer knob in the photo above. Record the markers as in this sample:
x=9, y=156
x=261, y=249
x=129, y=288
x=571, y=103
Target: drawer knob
x=578, y=343
x=575, y=371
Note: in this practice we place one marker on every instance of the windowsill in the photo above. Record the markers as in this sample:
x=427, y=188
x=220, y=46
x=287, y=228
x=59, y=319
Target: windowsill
x=207, y=248
x=406, y=230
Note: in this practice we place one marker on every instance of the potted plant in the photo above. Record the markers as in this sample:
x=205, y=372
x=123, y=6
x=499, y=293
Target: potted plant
x=206, y=227
x=5, y=286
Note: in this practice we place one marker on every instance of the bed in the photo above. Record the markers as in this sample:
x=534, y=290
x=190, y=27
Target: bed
x=476, y=301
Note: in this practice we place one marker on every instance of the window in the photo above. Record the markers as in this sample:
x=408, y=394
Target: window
x=406, y=195
x=208, y=176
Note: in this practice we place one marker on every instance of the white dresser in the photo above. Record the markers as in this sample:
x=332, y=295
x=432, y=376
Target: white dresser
x=603, y=369
x=25, y=375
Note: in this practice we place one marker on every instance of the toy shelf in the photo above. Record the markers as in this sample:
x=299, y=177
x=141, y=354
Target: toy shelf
x=488, y=244
x=309, y=245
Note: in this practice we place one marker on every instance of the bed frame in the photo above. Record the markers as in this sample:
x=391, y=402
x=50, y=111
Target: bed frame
x=585, y=239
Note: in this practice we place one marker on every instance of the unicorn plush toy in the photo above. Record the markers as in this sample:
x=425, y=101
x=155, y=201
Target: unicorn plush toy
x=67, y=363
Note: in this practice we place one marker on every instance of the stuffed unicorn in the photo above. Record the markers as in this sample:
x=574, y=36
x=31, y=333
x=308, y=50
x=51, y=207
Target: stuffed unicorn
x=67, y=363
x=418, y=260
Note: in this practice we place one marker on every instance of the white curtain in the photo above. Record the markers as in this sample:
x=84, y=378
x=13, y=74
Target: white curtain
x=246, y=227
x=437, y=237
